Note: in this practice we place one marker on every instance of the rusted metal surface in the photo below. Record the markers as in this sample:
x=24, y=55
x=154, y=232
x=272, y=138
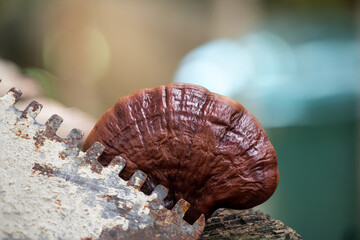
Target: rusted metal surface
x=49, y=189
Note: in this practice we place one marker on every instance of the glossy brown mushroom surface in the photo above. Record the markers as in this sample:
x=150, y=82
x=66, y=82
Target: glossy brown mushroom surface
x=204, y=147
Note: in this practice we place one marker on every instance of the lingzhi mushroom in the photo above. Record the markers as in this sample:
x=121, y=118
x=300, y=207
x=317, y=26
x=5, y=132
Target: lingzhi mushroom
x=204, y=147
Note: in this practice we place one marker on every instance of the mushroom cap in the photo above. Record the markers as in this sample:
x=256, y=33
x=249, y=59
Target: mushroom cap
x=204, y=147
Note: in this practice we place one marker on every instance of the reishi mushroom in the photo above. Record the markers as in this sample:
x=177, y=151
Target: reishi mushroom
x=204, y=147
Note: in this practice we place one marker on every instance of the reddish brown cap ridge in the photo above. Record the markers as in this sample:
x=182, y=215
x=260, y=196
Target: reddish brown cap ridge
x=204, y=147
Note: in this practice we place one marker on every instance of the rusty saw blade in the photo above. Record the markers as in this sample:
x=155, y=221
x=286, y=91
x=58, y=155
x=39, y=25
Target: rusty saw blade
x=49, y=189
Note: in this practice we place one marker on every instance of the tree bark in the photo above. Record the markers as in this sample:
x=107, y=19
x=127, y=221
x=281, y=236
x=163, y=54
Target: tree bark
x=226, y=224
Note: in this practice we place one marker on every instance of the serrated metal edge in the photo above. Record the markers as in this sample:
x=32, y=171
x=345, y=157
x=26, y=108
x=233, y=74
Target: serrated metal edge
x=48, y=132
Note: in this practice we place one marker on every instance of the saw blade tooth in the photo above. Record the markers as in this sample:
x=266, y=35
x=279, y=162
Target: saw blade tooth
x=118, y=163
x=94, y=150
x=137, y=179
x=16, y=93
x=114, y=168
x=74, y=137
x=180, y=208
x=32, y=110
x=158, y=195
x=74, y=182
x=53, y=123
x=199, y=225
x=91, y=157
x=160, y=192
x=71, y=141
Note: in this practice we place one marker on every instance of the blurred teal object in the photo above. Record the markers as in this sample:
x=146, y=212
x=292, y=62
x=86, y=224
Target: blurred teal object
x=279, y=84
x=305, y=95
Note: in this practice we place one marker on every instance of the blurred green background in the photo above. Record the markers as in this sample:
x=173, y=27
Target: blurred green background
x=293, y=64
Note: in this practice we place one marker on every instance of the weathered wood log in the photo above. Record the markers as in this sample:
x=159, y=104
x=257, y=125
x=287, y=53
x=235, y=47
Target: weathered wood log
x=226, y=224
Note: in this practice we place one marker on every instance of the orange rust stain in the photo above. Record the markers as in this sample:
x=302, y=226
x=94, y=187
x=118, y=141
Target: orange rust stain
x=62, y=155
x=58, y=202
x=108, y=197
x=20, y=134
x=43, y=170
